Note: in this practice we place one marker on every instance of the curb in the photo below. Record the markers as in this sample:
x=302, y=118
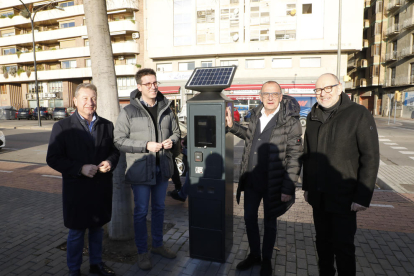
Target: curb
x=28, y=128
x=383, y=185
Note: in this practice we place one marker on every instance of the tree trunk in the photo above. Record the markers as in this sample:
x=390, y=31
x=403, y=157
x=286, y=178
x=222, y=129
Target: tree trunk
x=103, y=74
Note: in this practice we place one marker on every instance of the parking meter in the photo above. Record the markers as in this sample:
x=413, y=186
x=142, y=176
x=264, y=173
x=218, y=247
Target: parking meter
x=210, y=156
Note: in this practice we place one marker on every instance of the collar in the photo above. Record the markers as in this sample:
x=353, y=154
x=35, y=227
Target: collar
x=271, y=114
x=93, y=118
x=146, y=104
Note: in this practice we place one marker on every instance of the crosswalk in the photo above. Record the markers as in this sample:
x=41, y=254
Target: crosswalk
x=395, y=146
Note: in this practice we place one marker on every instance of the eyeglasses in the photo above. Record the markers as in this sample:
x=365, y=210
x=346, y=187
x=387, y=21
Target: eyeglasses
x=267, y=95
x=327, y=89
x=149, y=84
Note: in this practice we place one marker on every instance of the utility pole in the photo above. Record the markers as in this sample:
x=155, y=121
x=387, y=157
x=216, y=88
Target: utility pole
x=338, y=69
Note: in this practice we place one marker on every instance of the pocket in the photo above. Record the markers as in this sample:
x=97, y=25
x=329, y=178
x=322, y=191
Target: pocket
x=137, y=172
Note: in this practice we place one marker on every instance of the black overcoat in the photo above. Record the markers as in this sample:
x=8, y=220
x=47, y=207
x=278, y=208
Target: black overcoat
x=341, y=157
x=87, y=202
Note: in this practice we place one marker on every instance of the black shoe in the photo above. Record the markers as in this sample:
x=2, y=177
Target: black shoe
x=266, y=269
x=74, y=273
x=174, y=194
x=249, y=262
x=101, y=269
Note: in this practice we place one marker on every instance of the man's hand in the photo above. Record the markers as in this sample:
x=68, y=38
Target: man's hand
x=305, y=195
x=356, y=207
x=89, y=170
x=154, y=146
x=105, y=166
x=229, y=118
x=286, y=198
x=167, y=144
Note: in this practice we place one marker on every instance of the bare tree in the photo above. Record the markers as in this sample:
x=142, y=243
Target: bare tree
x=103, y=74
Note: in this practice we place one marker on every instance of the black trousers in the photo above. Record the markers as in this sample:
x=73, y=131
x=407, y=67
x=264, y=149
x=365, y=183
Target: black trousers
x=252, y=199
x=335, y=240
x=176, y=177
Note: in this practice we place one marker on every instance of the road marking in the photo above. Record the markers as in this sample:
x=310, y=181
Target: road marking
x=380, y=136
x=398, y=148
x=6, y=171
x=407, y=152
x=384, y=140
x=10, y=149
x=52, y=176
x=382, y=163
x=391, y=144
x=381, y=205
x=412, y=157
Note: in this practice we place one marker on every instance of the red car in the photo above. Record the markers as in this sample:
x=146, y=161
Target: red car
x=236, y=115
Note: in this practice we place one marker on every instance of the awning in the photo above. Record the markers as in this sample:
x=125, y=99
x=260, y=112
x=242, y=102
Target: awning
x=169, y=89
x=243, y=97
x=259, y=86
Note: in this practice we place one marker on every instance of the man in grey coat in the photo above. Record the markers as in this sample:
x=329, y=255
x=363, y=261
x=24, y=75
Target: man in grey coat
x=146, y=131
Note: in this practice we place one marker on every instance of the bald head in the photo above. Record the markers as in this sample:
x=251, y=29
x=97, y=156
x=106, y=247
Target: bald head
x=271, y=85
x=331, y=83
x=330, y=77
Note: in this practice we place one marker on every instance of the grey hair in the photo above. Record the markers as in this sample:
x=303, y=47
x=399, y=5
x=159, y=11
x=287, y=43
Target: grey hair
x=270, y=82
x=87, y=86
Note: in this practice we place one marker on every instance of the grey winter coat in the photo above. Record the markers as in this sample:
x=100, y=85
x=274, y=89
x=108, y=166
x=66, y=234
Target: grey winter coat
x=134, y=129
x=284, y=153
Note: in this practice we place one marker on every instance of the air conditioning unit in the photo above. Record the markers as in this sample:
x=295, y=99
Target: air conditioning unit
x=121, y=58
x=135, y=35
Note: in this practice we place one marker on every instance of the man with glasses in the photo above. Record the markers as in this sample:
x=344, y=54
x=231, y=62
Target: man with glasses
x=269, y=169
x=146, y=130
x=340, y=166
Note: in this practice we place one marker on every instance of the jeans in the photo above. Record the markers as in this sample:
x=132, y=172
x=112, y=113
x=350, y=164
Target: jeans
x=335, y=239
x=142, y=194
x=252, y=199
x=75, y=247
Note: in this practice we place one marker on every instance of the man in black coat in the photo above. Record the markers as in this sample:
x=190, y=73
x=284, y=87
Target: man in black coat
x=340, y=166
x=269, y=170
x=81, y=147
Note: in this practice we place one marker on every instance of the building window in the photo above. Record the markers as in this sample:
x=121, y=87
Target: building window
x=186, y=66
x=375, y=50
x=67, y=44
x=68, y=64
x=164, y=67
x=259, y=20
x=377, y=28
x=182, y=22
x=31, y=87
x=206, y=17
x=3, y=89
x=285, y=22
x=282, y=63
x=255, y=63
x=393, y=72
x=378, y=7
x=9, y=51
x=67, y=4
x=310, y=62
x=206, y=64
x=411, y=73
x=6, y=14
x=229, y=62
x=88, y=62
x=67, y=24
x=130, y=60
x=86, y=42
x=229, y=21
x=55, y=86
x=374, y=71
x=306, y=8
x=125, y=83
x=285, y=35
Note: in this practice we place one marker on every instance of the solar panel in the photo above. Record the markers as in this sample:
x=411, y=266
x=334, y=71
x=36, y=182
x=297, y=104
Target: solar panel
x=212, y=79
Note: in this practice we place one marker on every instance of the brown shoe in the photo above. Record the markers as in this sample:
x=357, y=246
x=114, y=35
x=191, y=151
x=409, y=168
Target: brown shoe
x=144, y=261
x=164, y=251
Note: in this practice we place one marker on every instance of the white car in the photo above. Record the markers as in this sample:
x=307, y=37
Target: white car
x=2, y=140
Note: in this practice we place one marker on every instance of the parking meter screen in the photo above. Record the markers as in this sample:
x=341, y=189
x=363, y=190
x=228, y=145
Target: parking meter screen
x=205, y=131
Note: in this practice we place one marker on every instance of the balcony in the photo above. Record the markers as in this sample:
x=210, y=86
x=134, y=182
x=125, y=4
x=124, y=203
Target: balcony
x=391, y=56
x=117, y=48
x=367, y=4
x=400, y=81
x=352, y=63
x=394, y=5
x=362, y=83
x=366, y=23
x=120, y=70
x=349, y=85
x=363, y=63
x=393, y=30
x=407, y=51
x=365, y=43
x=408, y=23
x=115, y=27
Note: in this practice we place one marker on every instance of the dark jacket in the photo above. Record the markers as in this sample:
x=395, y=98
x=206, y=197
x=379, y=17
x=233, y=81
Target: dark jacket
x=284, y=152
x=341, y=157
x=87, y=202
x=135, y=128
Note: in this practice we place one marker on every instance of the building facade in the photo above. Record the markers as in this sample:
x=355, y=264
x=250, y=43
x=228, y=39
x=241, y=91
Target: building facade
x=62, y=51
x=290, y=41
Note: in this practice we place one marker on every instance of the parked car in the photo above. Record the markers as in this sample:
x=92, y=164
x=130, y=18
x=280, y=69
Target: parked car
x=248, y=114
x=44, y=113
x=60, y=113
x=2, y=140
x=71, y=110
x=24, y=113
x=236, y=115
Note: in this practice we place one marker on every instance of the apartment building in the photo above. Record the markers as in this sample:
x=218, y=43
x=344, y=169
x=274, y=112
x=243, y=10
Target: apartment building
x=62, y=52
x=398, y=95
x=290, y=41
x=366, y=68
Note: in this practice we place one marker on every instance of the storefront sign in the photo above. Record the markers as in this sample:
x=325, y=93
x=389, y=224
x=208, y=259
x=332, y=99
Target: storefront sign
x=409, y=99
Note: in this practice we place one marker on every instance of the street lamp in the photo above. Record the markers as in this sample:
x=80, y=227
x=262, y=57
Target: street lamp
x=29, y=16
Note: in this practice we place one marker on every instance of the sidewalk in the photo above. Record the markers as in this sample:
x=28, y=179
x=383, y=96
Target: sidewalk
x=31, y=228
x=26, y=124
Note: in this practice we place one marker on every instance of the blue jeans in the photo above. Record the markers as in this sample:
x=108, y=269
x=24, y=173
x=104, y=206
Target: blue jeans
x=142, y=195
x=183, y=193
x=75, y=247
